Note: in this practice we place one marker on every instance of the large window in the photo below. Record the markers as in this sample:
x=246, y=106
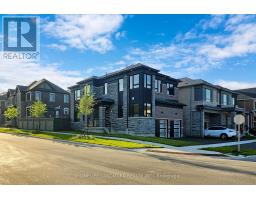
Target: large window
x=147, y=81
x=66, y=98
x=225, y=99
x=135, y=81
x=163, y=128
x=170, y=89
x=147, y=110
x=198, y=94
x=208, y=95
x=121, y=85
x=233, y=101
x=106, y=88
x=158, y=85
x=52, y=97
x=38, y=96
x=77, y=94
x=134, y=110
x=87, y=90
x=28, y=96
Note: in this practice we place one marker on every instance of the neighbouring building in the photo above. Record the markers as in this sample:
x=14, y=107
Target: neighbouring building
x=207, y=105
x=56, y=99
x=137, y=100
x=247, y=100
x=3, y=105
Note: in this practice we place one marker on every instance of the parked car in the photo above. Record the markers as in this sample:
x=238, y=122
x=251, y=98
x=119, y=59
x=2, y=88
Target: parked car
x=220, y=132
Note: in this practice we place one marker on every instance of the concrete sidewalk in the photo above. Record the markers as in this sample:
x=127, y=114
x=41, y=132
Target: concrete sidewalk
x=197, y=149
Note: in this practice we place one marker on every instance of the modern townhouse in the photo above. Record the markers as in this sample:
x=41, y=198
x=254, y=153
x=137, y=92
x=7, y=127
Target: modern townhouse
x=247, y=100
x=3, y=105
x=207, y=105
x=56, y=99
x=137, y=100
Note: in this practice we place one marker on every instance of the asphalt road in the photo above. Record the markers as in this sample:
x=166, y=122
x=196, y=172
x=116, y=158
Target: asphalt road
x=25, y=160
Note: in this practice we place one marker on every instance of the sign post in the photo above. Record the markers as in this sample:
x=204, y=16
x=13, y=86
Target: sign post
x=239, y=120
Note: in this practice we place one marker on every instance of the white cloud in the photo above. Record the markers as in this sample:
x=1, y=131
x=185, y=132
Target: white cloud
x=235, y=85
x=12, y=74
x=120, y=35
x=85, y=32
x=57, y=46
x=201, y=49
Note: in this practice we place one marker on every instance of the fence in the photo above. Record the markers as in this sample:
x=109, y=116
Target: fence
x=46, y=124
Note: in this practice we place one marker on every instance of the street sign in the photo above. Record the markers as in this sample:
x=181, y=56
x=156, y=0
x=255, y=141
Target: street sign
x=239, y=119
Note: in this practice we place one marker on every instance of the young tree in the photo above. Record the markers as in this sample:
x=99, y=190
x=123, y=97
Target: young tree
x=11, y=113
x=86, y=105
x=38, y=109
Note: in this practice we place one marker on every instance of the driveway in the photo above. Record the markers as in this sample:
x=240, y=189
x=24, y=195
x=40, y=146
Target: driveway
x=25, y=160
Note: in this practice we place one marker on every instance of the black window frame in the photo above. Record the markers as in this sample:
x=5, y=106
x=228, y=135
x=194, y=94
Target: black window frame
x=147, y=81
x=133, y=84
x=158, y=86
x=170, y=90
x=145, y=110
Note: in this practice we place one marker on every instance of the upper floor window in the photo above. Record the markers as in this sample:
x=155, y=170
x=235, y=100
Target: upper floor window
x=106, y=88
x=147, y=110
x=121, y=85
x=52, y=97
x=147, y=81
x=224, y=99
x=170, y=89
x=28, y=96
x=208, y=95
x=87, y=90
x=158, y=85
x=66, y=111
x=66, y=98
x=77, y=94
x=135, y=81
x=198, y=94
x=38, y=96
x=233, y=101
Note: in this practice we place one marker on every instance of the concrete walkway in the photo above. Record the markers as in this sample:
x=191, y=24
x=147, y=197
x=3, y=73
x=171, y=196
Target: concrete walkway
x=187, y=149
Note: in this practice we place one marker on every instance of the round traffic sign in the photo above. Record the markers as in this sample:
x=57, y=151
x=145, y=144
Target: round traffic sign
x=239, y=119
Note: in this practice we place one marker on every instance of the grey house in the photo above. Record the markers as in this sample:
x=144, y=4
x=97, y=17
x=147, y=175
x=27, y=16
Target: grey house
x=56, y=99
x=247, y=100
x=207, y=105
x=137, y=100
x=3, y=105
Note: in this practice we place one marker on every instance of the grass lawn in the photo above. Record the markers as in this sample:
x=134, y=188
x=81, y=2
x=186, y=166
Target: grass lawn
x=92, y=140
x=233, y=150
x=172, y=142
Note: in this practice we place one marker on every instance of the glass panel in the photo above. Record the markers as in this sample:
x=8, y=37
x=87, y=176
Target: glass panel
x=121, y=85
x=136, y=81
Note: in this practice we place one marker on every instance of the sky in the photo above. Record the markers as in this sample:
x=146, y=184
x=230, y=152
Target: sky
x=220, y=49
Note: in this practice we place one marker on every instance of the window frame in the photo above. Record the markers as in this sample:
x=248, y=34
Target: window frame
x=147, y=81
x=134, y=85
x=105, y=90
x=50, y=94
x=209, y=100
x=120, y=89
x=158, y=86
x=30, y=114
x=224, y=100
x=29, y=96
x=77, y=97
x=66, y=95
x=40, y=95
x=66, y=109
x=170, y=90
x=145, y=110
